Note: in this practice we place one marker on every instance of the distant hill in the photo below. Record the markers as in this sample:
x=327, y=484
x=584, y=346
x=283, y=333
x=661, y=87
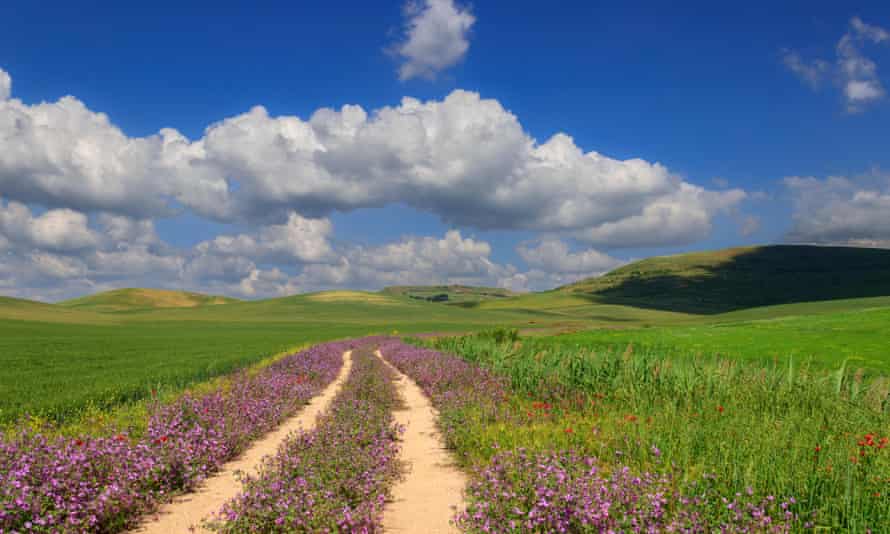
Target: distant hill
x=737, y=278
x=30, y=310
x=451, y=294
x=141, y=299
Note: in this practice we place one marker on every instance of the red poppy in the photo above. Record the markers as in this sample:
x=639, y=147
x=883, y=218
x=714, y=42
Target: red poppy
x=720, y=409
x=569, y=430
x=163, y=439
x=79, y=443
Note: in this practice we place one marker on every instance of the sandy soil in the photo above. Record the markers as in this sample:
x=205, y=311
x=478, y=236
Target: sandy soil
x=188, y=510
x=425, y=501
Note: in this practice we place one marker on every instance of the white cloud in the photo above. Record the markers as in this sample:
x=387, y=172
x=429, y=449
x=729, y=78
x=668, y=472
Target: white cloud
x=58, y=230
x=81, y=198
x=5, y=85
x=465, y=159
x=856, y=74
x=676, y=219
x=436, y=37
x=412, y=260
x=553, y=255
x=298, y=240
x=811, y=72
x=840, y=209
x=63, y=154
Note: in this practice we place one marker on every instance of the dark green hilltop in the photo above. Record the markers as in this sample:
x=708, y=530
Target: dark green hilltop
x=745, y=277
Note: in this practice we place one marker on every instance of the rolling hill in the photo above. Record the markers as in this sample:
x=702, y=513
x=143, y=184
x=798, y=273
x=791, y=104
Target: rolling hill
x=739, y=278
x=141, y=299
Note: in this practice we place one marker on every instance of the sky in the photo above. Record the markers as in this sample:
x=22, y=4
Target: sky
x=271, y=148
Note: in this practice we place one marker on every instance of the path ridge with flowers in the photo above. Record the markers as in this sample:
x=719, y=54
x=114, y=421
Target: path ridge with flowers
x=185, y=513
x=426, y=499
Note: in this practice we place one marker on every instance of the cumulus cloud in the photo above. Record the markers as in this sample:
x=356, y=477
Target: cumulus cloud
x=856, y=74
x=436, y=37
x=57, y=230
x=63, y=154
x=298, y=240
x=81, y=198
x=840, y=210
x=412, y=260
x=553, y=255
x=5, y=85
x=676, y=219
x=464, y=158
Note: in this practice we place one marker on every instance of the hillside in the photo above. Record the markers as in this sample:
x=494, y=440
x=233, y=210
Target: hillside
x=450, y=294
x=737, y=278
x=28, y=310
x=142, y=299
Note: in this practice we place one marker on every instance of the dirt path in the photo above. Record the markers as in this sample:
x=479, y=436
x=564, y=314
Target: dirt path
x=188, y=510
x=425, y=501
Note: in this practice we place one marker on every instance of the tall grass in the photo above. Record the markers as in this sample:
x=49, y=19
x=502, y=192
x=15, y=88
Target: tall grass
x=782, y=427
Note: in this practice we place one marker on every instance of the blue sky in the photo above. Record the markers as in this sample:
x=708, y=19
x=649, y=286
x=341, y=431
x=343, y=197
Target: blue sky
x=757, y=125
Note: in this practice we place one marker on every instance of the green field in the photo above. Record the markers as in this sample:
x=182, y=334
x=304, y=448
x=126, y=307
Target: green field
x=113, y=348
x=826, y=338
x=60, y=360
x=781, y=430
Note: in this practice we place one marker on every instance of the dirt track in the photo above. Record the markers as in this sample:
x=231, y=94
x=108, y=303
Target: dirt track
x=425, y=500
x=188, y=510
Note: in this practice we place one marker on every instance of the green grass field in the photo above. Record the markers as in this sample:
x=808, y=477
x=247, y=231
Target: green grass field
x=781, y=430
x=827, y=339
x=60, y=361
x=113, y=348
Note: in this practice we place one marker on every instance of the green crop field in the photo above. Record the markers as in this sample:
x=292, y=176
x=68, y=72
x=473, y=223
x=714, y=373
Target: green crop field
x=60, y=360
x=113, y=348
x=827, y=339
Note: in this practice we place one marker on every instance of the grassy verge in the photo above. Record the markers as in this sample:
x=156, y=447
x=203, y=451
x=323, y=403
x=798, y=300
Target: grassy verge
x=782, y=431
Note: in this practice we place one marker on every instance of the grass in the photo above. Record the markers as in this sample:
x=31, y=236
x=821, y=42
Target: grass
x=821, y=437
x=87, y=362
x=63, y=362
x=859, y=337
x=103, y=351
x=738, y=278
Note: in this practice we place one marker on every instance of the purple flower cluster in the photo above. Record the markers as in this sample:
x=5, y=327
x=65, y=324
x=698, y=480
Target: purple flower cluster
x=335, y=478
x=445, y=378
x=564, y=492
x=101, y=484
